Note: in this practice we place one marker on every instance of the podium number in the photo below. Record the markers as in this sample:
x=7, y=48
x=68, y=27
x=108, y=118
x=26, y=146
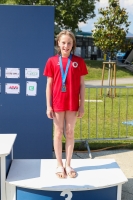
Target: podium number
x=69, y=193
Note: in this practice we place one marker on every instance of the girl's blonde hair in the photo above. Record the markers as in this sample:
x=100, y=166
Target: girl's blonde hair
x=69, y=33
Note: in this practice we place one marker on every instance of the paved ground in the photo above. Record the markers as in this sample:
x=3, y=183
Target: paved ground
x=119, y=81
x=124, y=159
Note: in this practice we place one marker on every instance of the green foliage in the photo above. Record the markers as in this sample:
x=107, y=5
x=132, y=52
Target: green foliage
x=2, y=1
x=68, y=13
x=95, y=70
x=10, y=2
x=111, y=29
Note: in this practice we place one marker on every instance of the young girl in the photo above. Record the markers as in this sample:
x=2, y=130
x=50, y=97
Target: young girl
x=65, y=97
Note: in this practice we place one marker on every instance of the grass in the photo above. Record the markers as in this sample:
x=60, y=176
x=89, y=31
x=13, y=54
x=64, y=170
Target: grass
x=95, y=71
x=97, y=125
x=90, y=129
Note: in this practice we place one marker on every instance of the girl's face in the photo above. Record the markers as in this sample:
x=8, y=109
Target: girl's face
x=65, y=43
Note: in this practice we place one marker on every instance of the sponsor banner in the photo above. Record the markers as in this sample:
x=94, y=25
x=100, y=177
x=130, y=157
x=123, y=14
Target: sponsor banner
x=31, y=72
x=12, y=73
x=12, y=88
x=31, y=88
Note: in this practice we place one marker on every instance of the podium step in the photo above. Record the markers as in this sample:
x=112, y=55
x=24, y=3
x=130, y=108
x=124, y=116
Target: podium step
x=36, y=179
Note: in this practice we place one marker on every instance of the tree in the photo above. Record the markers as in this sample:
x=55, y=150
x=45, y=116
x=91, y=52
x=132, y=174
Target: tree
x=2, y=1
x=68, y=13
x=110, y=30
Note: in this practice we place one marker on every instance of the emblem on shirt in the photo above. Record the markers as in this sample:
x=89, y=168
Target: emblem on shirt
x=75, y=64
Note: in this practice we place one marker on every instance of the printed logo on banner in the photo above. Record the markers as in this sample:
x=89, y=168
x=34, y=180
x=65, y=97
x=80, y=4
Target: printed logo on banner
x=12, y=88
x=31, y=72
x=31, y=88
x=12, y=73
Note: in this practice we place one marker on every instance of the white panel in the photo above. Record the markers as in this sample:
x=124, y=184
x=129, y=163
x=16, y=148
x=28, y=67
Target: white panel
x=3, y=178
x=31, y=88
x=6, y=143
x=31, y=72
x=12, y=73
x=10, y=192
x=119, y=190
x=12, y=88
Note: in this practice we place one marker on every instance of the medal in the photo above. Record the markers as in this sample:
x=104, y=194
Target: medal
x=64, y=74
x=63, y=88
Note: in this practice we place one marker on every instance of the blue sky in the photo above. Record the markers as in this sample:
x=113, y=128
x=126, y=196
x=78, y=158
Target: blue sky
x=128, y=4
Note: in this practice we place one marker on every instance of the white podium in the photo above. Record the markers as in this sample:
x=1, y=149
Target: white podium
x=6, y=156
x=36, y=180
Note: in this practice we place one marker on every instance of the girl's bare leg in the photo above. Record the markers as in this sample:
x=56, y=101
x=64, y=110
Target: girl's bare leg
x=58, y=132
x=70, y=120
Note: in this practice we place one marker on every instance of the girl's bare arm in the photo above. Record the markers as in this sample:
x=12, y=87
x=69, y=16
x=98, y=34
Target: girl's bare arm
x=49, y=97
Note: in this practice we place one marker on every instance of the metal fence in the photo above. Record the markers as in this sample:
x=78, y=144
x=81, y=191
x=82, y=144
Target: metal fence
x=107, y=117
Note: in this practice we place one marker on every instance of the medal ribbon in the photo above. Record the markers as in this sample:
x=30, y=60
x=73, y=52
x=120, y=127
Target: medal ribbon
x=64, y=74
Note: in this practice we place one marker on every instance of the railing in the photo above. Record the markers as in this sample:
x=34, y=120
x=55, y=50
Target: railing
x=105, y=115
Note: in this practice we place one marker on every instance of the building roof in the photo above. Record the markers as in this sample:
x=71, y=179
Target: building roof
x=83, y=34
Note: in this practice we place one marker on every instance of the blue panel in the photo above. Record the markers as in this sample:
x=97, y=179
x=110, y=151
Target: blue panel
x=8, y=163
x=102, y=194
x=26, y=41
